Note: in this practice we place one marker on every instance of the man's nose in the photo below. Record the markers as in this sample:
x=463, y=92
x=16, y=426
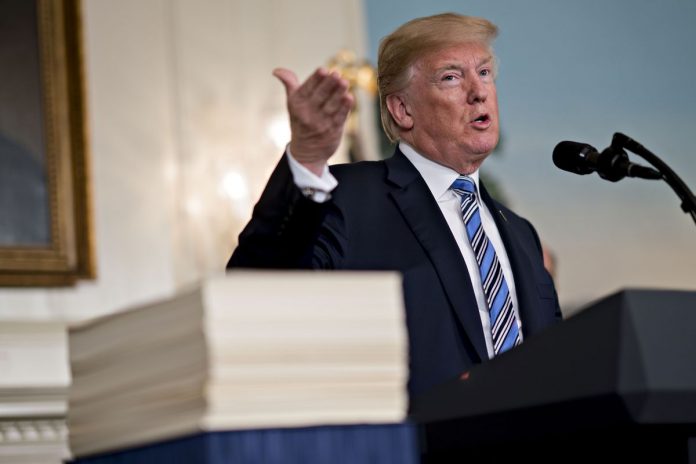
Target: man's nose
x=477, y=92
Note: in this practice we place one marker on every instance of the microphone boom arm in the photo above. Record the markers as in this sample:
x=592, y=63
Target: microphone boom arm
x=687, y=197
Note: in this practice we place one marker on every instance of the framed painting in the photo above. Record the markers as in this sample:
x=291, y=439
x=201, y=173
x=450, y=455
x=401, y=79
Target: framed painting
x=45, y=224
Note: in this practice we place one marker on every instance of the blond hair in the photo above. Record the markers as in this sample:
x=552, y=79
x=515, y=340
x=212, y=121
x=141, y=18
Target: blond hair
x=402, y=48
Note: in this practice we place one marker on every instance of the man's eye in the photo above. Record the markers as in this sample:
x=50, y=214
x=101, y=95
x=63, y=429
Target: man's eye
x=448, y=77
x=485, y=72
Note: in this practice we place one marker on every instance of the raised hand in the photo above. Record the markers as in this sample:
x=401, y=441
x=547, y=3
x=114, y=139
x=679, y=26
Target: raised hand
x=318, y=111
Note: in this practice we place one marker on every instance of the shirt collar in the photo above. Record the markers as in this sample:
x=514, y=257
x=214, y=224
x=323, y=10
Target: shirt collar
x=439, y=178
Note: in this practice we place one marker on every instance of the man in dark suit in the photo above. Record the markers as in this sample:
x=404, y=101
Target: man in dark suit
x=474, y=280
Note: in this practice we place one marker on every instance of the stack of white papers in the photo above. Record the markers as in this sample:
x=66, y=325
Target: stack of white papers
x=250, y=350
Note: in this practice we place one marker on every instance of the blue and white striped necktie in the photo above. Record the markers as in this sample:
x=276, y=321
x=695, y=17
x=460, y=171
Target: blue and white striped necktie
x=503, y=324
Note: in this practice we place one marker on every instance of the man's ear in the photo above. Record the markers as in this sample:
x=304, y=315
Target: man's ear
x=399, y=109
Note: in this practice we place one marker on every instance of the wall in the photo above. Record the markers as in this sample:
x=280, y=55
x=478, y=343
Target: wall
x=180, y=101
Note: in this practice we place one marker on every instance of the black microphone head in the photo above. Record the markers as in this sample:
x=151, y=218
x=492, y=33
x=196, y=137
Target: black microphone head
x=579, y=158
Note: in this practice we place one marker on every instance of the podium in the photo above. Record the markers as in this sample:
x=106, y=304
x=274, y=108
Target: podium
x=616, y=383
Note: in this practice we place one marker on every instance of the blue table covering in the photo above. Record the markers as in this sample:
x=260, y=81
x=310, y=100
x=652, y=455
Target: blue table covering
x=354, y=444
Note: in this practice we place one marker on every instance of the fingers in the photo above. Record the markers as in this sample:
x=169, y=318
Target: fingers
x=337, y=98
x=341, y=113
x=327, y=86
x=309, y=87
x=323, y=90
x=288, y=78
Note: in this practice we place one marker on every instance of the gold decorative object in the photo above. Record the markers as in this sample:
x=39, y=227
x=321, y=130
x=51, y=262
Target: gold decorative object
x=362, y=78
x=359, y=73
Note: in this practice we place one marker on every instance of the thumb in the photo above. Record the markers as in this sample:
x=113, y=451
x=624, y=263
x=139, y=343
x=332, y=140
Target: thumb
x=288, y=78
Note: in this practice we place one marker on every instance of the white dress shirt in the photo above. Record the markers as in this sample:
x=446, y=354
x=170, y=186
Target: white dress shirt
x=306, y=179
x=439, y=179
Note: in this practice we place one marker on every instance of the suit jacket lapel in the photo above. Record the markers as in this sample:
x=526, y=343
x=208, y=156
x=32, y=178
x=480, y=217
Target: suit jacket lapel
x=425, y=219
x=520, y=262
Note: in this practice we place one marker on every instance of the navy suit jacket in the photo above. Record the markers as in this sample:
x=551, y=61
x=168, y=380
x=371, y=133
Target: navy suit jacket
x=382, y=216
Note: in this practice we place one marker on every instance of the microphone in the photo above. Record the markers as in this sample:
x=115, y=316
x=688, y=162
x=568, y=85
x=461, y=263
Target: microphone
x=612, y=164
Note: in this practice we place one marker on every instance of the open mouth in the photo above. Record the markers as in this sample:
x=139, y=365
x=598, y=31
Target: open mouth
x=484, y=118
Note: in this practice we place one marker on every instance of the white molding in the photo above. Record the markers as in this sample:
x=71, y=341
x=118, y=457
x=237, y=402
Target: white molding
x=33, y=393
x=40, y=441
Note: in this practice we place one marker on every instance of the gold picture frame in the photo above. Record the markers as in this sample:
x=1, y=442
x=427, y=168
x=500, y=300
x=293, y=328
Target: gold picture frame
x=65, y=254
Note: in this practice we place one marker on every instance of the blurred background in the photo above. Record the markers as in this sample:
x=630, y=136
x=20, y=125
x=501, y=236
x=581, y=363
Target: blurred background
x=186, y=122
x=582, y=71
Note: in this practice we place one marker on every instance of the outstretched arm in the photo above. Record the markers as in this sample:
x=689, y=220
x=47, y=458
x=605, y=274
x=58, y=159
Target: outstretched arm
x=286, y=228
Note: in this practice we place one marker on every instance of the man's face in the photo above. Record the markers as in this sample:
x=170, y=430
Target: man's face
x=453, y=106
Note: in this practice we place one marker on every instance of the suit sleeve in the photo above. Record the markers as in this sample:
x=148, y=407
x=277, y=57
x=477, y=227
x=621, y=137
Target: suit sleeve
x=558, y=315
x=288, y=230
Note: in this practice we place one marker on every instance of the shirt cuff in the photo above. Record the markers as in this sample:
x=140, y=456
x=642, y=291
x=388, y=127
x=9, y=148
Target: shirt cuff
x=316, y=188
